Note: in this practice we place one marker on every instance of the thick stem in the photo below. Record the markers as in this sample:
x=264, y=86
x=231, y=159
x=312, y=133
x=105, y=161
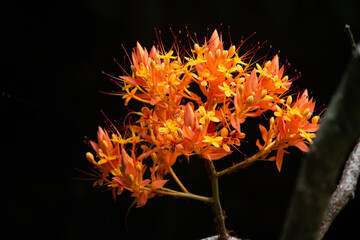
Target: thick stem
x=220, y=218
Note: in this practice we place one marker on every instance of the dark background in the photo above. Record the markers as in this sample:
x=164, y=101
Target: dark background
x=53, y=55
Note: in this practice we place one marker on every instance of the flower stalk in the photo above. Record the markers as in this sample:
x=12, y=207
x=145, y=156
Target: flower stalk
x=219, y=214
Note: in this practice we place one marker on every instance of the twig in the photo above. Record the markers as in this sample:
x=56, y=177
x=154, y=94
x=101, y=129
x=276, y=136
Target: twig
x=344, y=193
x=351, y=37
x=321, y=167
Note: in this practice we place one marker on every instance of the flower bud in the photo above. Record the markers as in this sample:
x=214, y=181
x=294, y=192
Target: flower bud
x=138, y=167
x=267, y=64
x=306, y=112
x=263, y=93
x=289, y=100
x=217, y=54
x=196, y=48
x=153, y=156
x=224, y=132
x=105, y=145
x=225, y=54
x=232, y=50
x=315, y=120
x=90, y=157
x=249, y=100
x=179, y=132
x=207, y=118
x=131, y=178
x=169, y=137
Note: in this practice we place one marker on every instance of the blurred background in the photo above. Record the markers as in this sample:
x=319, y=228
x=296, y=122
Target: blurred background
x=53, y=58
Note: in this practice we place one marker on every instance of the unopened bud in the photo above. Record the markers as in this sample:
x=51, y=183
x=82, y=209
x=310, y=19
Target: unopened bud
x=153, y=156
x=289, y=100
x=90, y=157
x=105, y=145
x=196, y=48
x=249, y=100
x=138, y=167
x=131, y=178
x=267, y=64
x=308, y=115
x=315, y=120
x=285, y=79
x=224, y=132
x=306, y=112
x=263, y=93
x=179, y=132
x=113, y=136
x=207, y=119
x=272, y=120
x=232, y=50
x=133, y=69
x=217, y=54
x=225, y=54
x=200, y=128
x=241, y=88
x=169, y=137
x=152, y=64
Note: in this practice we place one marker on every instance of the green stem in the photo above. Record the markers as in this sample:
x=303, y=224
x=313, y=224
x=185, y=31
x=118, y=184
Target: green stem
x=247, y=161
x=220, y=218
x=177, y=180
x=170, y=192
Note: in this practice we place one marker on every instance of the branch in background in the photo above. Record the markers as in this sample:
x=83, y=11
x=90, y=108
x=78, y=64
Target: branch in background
x=345, y=191
x=321, y=167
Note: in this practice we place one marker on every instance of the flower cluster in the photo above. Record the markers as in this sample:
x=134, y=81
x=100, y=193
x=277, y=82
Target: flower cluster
x=195, y=104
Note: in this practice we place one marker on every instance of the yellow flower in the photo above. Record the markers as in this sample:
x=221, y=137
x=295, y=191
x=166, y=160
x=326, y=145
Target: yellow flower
x=207, y=115
x=215, y=141
x=227, y=90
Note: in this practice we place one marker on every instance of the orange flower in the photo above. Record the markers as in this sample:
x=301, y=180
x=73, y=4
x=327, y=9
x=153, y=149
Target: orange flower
x=196, y=105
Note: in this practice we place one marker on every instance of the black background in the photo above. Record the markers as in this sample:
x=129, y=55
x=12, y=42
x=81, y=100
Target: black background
x=53, y=55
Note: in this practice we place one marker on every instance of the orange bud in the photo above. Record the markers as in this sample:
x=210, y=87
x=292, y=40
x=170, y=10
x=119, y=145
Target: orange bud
x=315, y=120
x=224, y=132
x=131, y=178
x=90, y=157
x=249, y=100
